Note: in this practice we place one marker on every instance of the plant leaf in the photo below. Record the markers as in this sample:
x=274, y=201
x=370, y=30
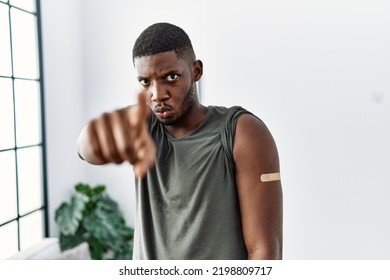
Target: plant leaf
x=84, y=189
x=71, y=241
x=96, y=248
x=99, y=225
x=99, y=189
x=92, y=216
x=124, y=254
x=108, y=225
x=68, y=216
x=88, y=190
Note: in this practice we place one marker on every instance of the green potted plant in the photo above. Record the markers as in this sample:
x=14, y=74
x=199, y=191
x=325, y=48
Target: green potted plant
x=92, y=216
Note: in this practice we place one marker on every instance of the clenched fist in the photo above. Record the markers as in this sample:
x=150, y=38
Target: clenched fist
x=119, y=136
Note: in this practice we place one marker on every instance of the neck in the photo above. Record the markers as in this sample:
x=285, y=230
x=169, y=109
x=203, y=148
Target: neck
x=189, y=123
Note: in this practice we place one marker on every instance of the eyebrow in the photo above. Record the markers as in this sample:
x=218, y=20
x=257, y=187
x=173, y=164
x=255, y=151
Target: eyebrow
x=163, y=75
x=139, y=78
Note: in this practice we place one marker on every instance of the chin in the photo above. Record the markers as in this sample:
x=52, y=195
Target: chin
x=167, y=121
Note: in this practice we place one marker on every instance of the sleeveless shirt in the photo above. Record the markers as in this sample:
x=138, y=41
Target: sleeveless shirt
x=187, y=205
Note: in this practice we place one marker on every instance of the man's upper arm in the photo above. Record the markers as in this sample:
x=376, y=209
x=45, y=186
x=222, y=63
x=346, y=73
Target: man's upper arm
x=255, y=154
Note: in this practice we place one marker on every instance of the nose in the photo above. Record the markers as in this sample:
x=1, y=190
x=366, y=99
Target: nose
x=158, y=93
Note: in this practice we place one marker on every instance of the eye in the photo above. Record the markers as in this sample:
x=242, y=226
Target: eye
x=144, y=82
x=172, y=77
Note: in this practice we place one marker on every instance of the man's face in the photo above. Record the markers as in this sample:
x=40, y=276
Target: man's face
x=169, y=84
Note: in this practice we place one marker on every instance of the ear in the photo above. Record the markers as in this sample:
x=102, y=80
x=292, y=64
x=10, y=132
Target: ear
x=197, y=70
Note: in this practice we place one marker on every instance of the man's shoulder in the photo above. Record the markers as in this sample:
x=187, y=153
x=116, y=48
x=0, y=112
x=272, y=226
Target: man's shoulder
x=228, y=111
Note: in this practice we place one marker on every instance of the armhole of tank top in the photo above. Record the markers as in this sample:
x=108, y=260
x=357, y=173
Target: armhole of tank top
x=227, y=134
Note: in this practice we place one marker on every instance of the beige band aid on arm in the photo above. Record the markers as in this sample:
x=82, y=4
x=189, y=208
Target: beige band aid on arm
x=269, y=177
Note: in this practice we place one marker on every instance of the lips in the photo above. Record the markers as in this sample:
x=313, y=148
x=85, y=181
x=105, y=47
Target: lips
x=162, y=111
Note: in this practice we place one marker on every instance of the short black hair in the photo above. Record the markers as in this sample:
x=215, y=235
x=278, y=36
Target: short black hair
x=163, y=37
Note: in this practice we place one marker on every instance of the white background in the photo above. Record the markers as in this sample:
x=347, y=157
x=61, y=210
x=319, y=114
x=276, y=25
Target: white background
x=317, y=72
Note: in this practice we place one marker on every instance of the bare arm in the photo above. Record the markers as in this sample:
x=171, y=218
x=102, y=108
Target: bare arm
x=261, y=208
x=119, y=136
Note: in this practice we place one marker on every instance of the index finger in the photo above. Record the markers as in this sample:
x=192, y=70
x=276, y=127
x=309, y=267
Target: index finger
x=139, y=113
x=142, y=107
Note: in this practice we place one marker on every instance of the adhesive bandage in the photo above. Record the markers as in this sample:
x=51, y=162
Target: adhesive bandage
x=269, y=177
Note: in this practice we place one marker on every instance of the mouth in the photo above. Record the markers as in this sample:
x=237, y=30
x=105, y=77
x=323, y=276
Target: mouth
x=163, y=111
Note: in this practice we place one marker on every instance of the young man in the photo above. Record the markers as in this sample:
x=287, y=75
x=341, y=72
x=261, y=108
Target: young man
x=208, y=184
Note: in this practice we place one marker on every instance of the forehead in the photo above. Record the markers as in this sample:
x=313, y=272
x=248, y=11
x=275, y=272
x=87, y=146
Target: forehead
x=159, y=63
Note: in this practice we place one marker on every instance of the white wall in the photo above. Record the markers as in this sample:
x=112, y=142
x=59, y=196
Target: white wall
x=63, y=86
x=315, y=71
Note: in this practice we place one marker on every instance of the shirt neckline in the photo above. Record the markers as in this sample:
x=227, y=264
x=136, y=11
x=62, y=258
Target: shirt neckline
x=207, y=116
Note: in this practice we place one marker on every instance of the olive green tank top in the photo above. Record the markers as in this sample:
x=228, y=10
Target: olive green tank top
x=187, y=205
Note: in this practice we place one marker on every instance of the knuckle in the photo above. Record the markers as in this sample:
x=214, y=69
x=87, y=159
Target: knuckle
x=132, y=160
x=91, y=128
x=95, y=150
x=112, y=156
x=117, y=114
x=103, y=120
x=124, y=111
x=105, y=117
x=129, y=151
x=118, y=161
